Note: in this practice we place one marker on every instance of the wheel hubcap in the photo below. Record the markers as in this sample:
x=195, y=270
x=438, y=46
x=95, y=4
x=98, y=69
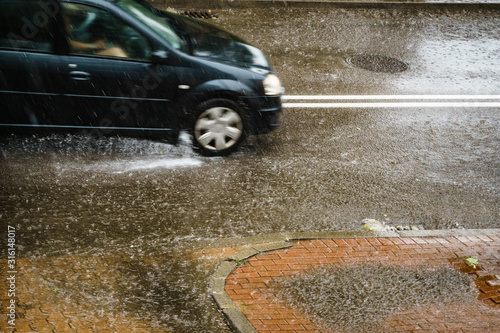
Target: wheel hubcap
x=218, y=128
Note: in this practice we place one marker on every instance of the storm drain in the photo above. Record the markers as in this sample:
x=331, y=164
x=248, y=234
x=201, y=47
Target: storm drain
x=200, y=14
x=377, y=63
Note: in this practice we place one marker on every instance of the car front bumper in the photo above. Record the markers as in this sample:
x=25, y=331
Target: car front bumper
x=263, y=113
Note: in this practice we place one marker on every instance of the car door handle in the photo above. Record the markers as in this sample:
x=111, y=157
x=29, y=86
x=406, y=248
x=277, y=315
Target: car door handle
x=79, y=75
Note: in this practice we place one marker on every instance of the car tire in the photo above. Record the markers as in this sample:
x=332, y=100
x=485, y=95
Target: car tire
x=218, y=128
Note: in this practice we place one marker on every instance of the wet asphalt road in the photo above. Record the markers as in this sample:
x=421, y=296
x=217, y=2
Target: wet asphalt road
x=324, y=169
x=448, y=51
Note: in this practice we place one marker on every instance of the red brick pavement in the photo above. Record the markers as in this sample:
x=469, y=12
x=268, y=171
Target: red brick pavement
x=250, y=285
x=42, y=307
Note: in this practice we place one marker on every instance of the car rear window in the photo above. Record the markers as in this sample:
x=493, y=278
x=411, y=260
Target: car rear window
x=25, y=25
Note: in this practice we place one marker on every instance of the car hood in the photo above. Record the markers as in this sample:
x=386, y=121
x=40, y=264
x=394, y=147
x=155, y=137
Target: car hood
x=207, y=41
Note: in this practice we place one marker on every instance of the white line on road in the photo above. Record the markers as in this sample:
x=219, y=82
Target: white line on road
x=394, y=105
x=391, y=101
x=389, y=97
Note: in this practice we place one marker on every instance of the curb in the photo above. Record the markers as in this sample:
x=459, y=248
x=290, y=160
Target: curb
x=241, y=4
x=237, y=320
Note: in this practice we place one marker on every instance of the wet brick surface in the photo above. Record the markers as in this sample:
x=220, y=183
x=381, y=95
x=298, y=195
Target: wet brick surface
x=250, y=286
x=46, y=300
x=45, y=296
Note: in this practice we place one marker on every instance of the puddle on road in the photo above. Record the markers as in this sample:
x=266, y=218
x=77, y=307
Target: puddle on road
x=359, y=298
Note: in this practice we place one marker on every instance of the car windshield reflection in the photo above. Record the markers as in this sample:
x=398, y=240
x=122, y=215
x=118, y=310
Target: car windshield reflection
x=146, y=14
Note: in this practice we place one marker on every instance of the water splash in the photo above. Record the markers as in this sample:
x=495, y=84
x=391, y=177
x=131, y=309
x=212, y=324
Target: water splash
x=155, y=164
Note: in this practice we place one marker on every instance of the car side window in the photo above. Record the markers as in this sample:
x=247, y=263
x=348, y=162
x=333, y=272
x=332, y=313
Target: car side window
x=26, y=25
x=93, y=31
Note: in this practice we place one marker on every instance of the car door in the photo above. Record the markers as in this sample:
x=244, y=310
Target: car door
x=112, y=85
x=29, y=66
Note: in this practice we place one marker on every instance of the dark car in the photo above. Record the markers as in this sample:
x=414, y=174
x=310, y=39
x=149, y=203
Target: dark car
x=122, y=67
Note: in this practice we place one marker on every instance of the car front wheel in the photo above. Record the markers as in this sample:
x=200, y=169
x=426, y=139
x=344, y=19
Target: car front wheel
x=218, y=127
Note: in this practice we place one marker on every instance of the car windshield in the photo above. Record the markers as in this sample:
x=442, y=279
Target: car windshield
x=147, y=15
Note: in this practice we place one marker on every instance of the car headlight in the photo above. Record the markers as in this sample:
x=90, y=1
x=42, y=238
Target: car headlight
x=272, y=85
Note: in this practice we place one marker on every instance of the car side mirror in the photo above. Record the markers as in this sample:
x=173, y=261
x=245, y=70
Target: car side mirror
x=159, y=57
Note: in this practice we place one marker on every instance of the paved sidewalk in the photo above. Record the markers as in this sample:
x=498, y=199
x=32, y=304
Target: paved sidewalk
x=242, y=285
x=45, y=296
x=249, y=301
